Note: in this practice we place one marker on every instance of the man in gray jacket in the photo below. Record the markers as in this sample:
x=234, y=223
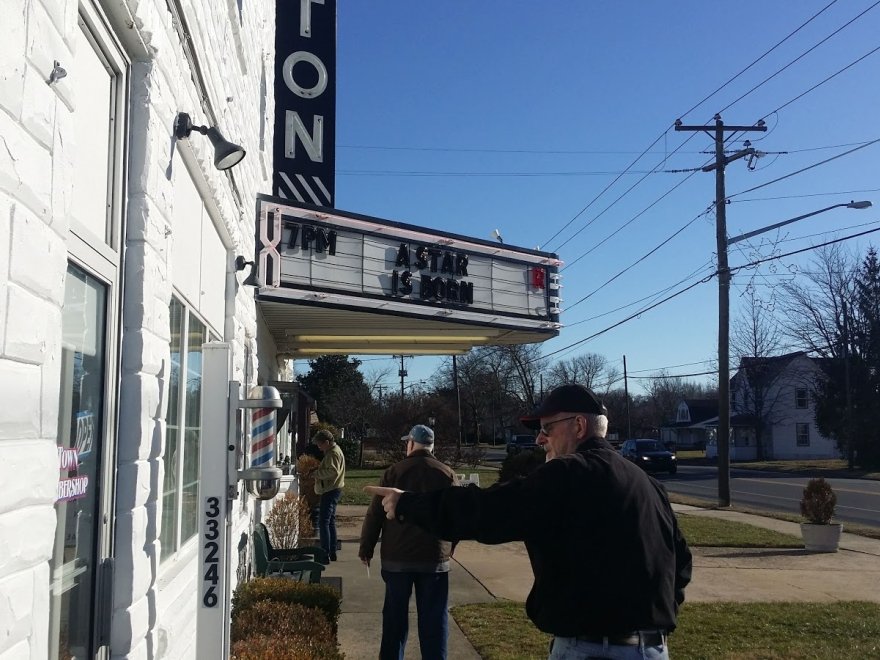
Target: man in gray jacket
x=411, y=557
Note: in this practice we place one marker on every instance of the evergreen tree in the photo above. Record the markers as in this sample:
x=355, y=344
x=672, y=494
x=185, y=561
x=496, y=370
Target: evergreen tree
x=855, y=421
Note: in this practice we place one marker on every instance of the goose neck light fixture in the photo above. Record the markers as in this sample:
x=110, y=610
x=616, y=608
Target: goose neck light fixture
x=226, y=154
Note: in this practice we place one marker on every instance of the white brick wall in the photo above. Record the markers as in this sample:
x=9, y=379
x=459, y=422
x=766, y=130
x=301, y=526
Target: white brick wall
x=153, y=604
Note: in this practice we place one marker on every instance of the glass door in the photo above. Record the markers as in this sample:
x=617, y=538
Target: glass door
x=73, y=568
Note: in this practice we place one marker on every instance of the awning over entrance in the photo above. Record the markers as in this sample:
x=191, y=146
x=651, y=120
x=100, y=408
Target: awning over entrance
x=304, y=331
x=337, y=282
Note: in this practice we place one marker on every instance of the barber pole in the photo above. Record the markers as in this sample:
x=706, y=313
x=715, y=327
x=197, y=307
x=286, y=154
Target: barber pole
x=262, y=437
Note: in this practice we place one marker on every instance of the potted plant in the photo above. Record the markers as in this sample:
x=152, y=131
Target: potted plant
x=817, y=506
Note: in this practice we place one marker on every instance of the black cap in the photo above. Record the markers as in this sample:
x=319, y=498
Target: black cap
x=565, y=398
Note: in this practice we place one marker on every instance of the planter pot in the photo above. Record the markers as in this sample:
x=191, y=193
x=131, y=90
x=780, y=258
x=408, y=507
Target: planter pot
x=821, y=538
x=289, y=483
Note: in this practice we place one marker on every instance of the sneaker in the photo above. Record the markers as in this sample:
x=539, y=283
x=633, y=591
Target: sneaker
x=333, y=557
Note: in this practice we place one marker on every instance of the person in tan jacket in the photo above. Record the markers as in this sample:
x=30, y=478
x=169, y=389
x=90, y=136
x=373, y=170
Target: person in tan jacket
x=329, y=482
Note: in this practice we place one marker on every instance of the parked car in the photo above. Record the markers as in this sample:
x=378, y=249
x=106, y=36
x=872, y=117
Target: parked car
x=518, y=443
x=650, y=455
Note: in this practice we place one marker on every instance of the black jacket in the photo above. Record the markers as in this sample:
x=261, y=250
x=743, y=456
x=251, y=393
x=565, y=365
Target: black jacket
x=605, y=547
x=406, y=547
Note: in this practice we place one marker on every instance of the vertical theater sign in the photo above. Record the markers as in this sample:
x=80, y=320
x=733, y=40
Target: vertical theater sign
x=305, y=101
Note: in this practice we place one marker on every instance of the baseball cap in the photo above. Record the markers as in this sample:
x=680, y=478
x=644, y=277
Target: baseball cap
x=565, y=398
x=420, y=434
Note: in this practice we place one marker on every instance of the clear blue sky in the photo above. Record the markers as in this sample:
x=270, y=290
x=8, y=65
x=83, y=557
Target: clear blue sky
x=516, y=115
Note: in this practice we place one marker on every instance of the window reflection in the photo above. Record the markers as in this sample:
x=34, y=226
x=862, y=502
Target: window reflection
x=80, y=435
x=183, y=430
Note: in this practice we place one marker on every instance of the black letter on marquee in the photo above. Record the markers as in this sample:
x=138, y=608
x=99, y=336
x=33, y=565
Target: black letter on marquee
x=402, y=256
x=308, y=235
x=294, y=232
x=393, y=282
x=452, y=289
x=434, y=254
x=331, y=244
x=447, y=263
x=321, y=240
x=461, y=264
x=466, y=293
x=406, y=283
x=427, y=287
x=421, y=257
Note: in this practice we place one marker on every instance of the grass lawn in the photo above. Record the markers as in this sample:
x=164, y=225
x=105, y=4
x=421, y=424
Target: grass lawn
x=828, y=468
x=714, y=532
x=732, y=631
x=357, y=478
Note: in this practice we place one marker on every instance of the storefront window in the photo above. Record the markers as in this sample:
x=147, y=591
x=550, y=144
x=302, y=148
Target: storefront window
x=80, y=448
x=183, y=430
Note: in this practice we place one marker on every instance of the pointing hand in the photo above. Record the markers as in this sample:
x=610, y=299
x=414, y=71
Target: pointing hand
x=390, y=497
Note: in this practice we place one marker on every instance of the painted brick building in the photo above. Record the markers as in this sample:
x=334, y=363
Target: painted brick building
x=116, y=251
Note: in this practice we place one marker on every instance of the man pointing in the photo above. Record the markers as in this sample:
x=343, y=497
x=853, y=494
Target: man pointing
x=609, y=561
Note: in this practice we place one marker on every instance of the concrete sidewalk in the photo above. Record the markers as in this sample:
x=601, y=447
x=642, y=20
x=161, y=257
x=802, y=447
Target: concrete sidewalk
x=483, y=574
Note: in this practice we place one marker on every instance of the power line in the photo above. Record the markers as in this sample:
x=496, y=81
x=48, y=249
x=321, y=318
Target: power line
x=665, y=132
x=799, y=57
x=822, y=194
x=804, y=169
x=762, y=56
x=639, y=260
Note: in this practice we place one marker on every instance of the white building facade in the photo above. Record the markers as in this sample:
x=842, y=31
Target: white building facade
x=118, y=251
x=117, y=245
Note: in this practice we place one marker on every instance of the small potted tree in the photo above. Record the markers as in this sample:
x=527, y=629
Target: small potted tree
x=817, y=506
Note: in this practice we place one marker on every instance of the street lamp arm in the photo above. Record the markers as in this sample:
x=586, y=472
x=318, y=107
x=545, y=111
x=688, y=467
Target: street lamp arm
x=850, y=205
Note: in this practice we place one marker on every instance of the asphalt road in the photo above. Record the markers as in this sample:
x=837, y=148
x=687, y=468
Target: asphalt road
x=858, y=500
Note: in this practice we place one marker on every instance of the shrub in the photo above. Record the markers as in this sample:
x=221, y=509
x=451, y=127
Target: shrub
x=284, y=619
x=276, y=647
x=521, y=464
x=818, y=502
x=284, y=590
x=287, y=520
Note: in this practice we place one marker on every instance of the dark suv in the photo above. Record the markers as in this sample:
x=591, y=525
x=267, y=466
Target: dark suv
x=650, y=455
x=518, y=443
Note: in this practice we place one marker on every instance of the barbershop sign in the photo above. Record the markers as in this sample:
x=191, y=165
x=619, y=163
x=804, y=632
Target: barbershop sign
x=305, y=101
x=342, y=259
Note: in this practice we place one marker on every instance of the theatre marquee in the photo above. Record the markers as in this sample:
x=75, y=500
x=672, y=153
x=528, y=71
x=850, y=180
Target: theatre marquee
x=331, y=259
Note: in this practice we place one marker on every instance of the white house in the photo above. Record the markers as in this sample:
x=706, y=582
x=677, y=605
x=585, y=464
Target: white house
x=119, y=259
x=772, y=398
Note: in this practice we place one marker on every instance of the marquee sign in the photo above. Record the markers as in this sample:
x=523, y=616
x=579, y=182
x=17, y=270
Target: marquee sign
x=305, y=101
x=312, y=255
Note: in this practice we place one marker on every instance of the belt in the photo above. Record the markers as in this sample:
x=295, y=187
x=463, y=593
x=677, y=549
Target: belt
x=635, y=638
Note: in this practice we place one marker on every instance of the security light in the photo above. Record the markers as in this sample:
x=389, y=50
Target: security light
x=226, y=154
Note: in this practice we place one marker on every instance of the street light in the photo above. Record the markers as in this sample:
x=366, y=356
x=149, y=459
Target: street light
x=723, y=438
x=850, y=205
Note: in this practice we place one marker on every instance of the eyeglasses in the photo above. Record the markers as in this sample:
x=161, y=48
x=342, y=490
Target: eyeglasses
x=545, y=430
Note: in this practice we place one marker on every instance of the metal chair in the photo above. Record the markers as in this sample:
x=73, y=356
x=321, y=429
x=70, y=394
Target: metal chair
x=264, y=565
x=312, y=552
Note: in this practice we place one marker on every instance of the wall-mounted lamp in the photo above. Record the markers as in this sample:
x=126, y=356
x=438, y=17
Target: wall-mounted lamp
x=226, y=154
x=240, y=264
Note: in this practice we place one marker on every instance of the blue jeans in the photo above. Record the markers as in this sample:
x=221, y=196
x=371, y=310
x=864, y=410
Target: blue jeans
x=432, y=598
x=572, y=648
x=327, y=520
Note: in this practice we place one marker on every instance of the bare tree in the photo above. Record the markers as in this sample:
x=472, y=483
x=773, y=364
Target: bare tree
x=756, y=339
x=812, y=305
x=590, y=370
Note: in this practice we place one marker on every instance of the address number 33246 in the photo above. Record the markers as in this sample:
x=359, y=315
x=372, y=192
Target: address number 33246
x=211, y=553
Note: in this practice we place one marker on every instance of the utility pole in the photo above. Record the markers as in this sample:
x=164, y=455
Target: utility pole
x=457, y=398
x=629, y=430
x=721, y=162
x=402, y=373
x=850, y=440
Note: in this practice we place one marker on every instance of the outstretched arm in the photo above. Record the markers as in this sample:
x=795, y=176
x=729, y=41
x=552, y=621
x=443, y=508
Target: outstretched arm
x=390, y=498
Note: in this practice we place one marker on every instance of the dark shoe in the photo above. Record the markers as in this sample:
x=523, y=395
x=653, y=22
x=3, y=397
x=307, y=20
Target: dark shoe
x=333, y=557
